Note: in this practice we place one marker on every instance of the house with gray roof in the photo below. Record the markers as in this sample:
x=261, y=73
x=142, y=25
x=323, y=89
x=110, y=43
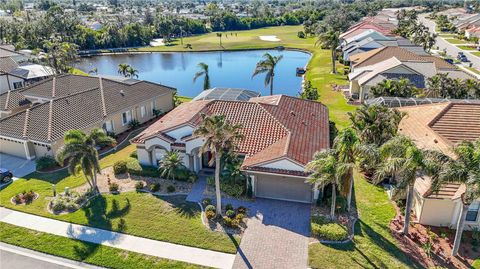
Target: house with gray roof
x=14, y=76
x=33, y=120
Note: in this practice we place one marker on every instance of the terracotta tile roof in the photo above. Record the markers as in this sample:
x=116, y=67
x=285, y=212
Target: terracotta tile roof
x=273, y=126
x=367, y=25
x=381, y=54
x=440, y=127
x=75, y=109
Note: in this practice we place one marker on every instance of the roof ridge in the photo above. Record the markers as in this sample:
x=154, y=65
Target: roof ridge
x=104, y=107
x=7, y=100
x=54, y=83
x=50, y=119
x=25, y=125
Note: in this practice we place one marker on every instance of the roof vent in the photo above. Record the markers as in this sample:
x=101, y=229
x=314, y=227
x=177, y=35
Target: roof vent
x=122, y=92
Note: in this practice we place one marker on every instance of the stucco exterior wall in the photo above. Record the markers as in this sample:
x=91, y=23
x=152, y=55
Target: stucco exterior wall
x=437, y=212
x=4, y=87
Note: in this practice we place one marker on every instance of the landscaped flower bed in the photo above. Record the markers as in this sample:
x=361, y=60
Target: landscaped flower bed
x=68, y=202
x=233, y=220
x=26, y=197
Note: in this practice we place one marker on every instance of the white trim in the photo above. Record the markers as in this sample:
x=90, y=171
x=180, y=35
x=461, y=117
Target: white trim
x=273, y=174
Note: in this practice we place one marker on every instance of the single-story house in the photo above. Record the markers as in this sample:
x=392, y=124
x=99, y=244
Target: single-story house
x=440, y=127
x=281, y=135
x=473, y=31
x=364, y=34
x=34, y=119
x=14, y=76
x=416, y=70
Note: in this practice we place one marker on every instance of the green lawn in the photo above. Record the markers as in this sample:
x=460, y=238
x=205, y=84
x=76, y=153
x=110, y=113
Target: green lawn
x=457, y=41
x=476, y=71
x=463, y=47
x=170, y=220
x=476, y=53
x=373, y=246
x=83, y=251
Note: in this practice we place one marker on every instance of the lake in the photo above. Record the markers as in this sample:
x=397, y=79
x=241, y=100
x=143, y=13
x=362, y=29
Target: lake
x=231, y=69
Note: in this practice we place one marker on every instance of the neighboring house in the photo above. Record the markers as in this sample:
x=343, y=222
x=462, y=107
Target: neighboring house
x=384, y=28
x=34, y=119
x=8, y=51
x=364, y=34
x=473, y=31
x=94, y=25
x=417, y=69
x=369, y=44
x=467, y=21
x=281, y=135
x=14, y=76
x=226, y=94
x=440, y=127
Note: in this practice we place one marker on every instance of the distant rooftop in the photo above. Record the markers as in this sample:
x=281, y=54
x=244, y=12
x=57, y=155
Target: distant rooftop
x=227, y=94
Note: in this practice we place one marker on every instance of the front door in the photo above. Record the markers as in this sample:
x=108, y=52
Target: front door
x=206, y=157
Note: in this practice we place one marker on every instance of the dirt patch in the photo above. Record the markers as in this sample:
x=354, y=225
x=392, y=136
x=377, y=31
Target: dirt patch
x=438, y=242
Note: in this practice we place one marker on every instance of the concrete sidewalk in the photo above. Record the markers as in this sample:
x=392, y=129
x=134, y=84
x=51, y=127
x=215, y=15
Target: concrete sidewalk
x=118, y=240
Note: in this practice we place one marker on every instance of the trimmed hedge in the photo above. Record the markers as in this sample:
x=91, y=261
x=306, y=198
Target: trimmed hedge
x=120, y=167
x=325, y=229
x=45, y=162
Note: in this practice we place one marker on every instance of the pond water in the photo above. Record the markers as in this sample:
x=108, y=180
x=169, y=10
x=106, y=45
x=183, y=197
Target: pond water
x=231, y=69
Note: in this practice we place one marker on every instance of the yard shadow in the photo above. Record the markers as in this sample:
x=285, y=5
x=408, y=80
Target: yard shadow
x=180, y=205
x=240, y=252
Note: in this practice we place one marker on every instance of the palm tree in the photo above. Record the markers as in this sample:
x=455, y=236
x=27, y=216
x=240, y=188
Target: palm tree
x=325, y=169
x=330, y=40
x=123, y=69
x=169, y=165
x=131, y=72
x=219, y=35
x=434, y=87
x=346, y=144
x=80, y=150
x=401, y=160
x=220, y=137
x=203, y=72
x=267, y=65
x=466, y=170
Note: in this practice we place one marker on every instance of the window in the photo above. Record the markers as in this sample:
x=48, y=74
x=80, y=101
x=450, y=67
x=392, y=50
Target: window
x=143, y=111
x=108, y=126
x=126, y=117
x=17, y=85
x=472, y=212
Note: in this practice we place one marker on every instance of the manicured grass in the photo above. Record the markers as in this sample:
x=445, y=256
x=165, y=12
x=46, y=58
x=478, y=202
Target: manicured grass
x=476, y=53
x=77, y=71
x=463, y=47
x=476, y=264
x=456, y=41
x=171, y=220
x=82, y=251
x=374, y=246
x=184, y=99
x=476, y=71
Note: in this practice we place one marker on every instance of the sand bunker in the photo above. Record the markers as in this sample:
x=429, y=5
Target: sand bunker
x=271, y=38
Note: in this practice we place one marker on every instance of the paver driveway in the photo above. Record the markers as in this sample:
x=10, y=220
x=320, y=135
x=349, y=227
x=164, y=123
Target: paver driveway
x=19, y=167
x=276, y=237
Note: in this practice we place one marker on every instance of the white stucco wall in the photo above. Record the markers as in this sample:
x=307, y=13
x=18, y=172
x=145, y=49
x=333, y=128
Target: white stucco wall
x=155, y=141
x=143, y=156
x=4, y=83
x=180, y=132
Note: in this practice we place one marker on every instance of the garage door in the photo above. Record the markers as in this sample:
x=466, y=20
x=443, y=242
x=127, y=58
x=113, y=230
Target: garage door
x=12, y=148
x=283, y=188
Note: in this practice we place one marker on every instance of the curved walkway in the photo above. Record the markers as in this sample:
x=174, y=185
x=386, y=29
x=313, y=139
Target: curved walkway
x=118, y=240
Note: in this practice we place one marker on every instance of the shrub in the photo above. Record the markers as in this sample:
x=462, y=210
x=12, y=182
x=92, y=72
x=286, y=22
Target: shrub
x=113, y=187
x=45, y=162
x=242, y=210
x=229, y=222
x=230, y=213
x=229, y=207
x=139, y=185
x=171, y=188
x=155, y=187
x=134, y=155
x=120, y=167
x=320, y=220
x=134, y=168
x=28, y=197
x=210, y=214
x=71, y=206
x=210, y=208
x=330, y=231
x=206, y=201
x=133, y=124
x=232, y=189
x=58, y=205
x=183, y=174
x=301, y=34
x=240, y=217
x=17, y=199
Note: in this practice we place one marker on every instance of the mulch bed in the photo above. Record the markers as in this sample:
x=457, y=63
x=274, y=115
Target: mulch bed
x=442, y=243
x=24, y=201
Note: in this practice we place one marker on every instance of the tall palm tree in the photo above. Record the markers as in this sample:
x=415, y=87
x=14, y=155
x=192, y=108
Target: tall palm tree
x=220, y=136
x=401, y=160
x=466, y=170
x=80, y=150
x=169, y=165
x=203, y=72
x=330, y=40
x=123, y=68
x=267, y=65
x=326, y=169
x=219, y=35
x=131, y=72
x=346, y=144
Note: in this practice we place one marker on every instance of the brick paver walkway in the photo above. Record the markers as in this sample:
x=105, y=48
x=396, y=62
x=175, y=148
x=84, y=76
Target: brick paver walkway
x=276, y=237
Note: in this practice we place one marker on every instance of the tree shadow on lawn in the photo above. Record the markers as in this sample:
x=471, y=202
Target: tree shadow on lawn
x=180, y=205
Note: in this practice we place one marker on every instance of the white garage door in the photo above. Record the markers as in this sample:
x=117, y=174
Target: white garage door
x=11, y=147
x=283, y=188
